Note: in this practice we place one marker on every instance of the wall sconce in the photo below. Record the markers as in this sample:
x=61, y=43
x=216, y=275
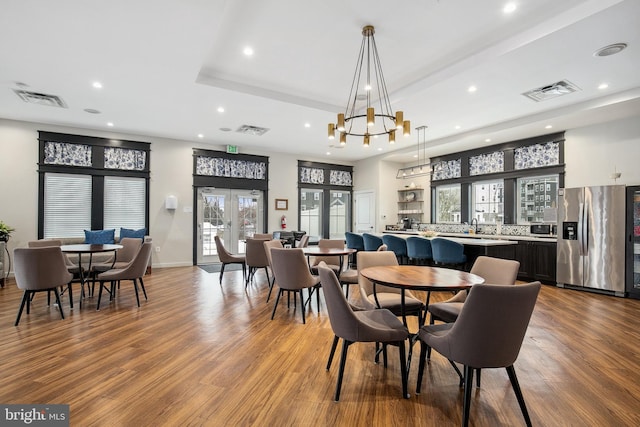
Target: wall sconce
x=171, y=203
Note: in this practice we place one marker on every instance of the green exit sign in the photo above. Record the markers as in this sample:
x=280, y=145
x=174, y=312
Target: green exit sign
x=232, y=149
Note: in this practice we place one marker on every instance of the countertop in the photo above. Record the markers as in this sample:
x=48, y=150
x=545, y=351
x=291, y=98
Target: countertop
x=480, y=236
x=466, y=240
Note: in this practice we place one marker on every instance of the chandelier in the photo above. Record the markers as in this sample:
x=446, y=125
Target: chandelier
x=368, y=112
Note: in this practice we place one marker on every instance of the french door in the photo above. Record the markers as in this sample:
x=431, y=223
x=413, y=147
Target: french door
x=232, y=215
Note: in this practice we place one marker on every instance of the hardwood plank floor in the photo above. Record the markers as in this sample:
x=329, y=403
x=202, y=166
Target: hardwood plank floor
x=197, y=353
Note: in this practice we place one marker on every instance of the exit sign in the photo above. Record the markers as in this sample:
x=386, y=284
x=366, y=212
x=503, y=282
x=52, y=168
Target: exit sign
x=232, y=149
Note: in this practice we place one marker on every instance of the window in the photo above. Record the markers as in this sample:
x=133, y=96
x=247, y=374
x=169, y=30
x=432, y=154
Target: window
x=487, y=202
x=339, y=214
x=90, y=183
x=124, y=203
x=532, y=208
x=448, y=203
x=311, y=211
x=66, y=211
x=324, y=207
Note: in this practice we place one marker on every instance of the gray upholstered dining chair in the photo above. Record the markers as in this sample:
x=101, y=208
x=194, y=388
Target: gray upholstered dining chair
x=304, y=241
x=256, y=258
x=488, y=334
x=380, y=326
x=268, y=244
x=495, y=271
x=38, y=270
x=130, y=248
x=263, y=236
x=292, y=273
x=73, y=268
x=227, y=257
x=333, y=262
x=133, y=271
x=385, y=296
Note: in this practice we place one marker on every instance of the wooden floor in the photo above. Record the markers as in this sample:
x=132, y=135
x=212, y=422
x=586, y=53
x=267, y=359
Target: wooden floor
x=197, y=353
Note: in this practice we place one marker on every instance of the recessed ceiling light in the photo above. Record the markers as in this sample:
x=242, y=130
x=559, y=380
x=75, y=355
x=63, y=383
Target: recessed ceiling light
x=200, y=136
x=509, y=7
x=548, y=127
x=458, y=126
x=220, y=109
x=248, y=51
x=603, y=86
x=472, y=89
x=307, y=125
x=487, y=140
x=225, y=129
x=97, y=85
x=415, y=156
x=379, y=148
x=328, y=153
x=110, y=124
x=92, y=111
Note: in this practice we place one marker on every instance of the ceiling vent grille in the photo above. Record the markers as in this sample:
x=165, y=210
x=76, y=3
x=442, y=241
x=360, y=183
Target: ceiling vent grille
x=563, y=87
x=40, y=98
x=252, y=130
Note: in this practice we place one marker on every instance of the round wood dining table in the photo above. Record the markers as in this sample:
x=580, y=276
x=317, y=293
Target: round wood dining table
x=86, y=248
x=419, y=278
x=318, y=251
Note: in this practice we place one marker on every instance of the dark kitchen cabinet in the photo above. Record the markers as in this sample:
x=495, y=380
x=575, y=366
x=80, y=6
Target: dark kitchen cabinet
x=537, y=261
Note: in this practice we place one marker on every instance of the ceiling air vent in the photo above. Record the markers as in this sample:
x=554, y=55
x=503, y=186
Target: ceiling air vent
x=252, y=130
x=40, y=98
x=563, y=87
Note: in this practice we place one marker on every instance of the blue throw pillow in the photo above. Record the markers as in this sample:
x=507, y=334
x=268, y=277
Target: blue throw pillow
x=99, y=237
x=127, y=232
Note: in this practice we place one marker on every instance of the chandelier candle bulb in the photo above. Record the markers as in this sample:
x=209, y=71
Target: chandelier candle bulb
x=343, y=138
x=370, y=117
x=332, y=131
x=399, y=119
x=341, y=122
x=392, y=137
x=366, y=140
x=407, y=128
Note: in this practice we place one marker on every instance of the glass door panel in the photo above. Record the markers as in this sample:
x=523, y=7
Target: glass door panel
x=311, y=204
x=339, y=214
x=232, y=215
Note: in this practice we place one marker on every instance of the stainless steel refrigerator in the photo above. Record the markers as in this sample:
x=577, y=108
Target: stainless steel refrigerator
x=591, y=238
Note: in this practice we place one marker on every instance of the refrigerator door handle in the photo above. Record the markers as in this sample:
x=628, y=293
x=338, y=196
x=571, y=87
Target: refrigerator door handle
x=581, y=229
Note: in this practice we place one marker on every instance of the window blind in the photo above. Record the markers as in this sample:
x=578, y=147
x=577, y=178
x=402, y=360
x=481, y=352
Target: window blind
x=67, y=205
x=124, y=203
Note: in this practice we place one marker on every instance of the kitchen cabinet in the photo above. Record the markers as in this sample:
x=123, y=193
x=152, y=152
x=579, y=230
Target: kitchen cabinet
x=537, y=261
x=410, y=204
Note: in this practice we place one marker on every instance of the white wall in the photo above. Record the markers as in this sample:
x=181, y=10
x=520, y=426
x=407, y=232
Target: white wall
x=592, y=153
x=171, y=164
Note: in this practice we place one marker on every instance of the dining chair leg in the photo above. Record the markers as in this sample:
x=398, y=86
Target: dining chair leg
x=302, y=306
x=343, y=361
x=101, y=286
x=403, y=368
x=334, y=345
x=55, y=291
x=70, y=291
x=478, y=377
x=384, y=355
x=135, y=287
x=421, y=363
x=273, y=313
x=144, y=291
x=466, y=402
x=25, y=300
x=516, y=388
x=222, y=273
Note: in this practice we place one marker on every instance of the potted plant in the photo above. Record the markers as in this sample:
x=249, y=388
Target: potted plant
x=5, y=232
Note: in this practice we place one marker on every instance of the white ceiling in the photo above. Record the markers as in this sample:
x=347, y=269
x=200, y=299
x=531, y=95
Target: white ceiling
x=166, y=66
